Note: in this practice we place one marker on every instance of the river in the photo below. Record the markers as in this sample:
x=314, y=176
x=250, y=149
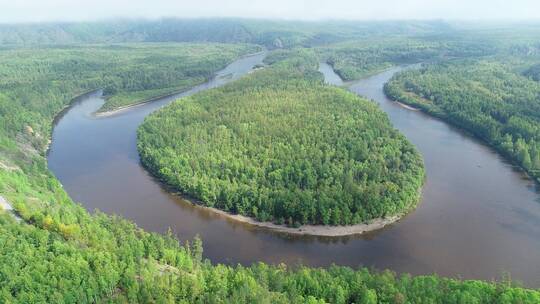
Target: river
x=479, y=217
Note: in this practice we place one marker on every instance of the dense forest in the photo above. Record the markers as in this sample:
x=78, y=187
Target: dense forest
x=281, y=146
x=489, y=98
x=533, y=72
x=109, y=260
x=269, y=33
x=127, y=73
x=354, y=59
x=61, y=253
x=360, y=56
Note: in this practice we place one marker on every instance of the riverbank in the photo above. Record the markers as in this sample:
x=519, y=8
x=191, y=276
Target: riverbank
x=121, y=109
x=406, y=106
x=468, y=131
x=308, y=230
x=63, y=111
x=304, y=230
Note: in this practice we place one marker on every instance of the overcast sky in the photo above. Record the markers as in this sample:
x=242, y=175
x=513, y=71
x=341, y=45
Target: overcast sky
x=75, y=10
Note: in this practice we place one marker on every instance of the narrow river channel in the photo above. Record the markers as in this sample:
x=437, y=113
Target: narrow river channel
x=479, y=217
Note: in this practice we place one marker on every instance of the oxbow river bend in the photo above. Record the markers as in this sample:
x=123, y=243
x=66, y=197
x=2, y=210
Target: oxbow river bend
x=479, y=216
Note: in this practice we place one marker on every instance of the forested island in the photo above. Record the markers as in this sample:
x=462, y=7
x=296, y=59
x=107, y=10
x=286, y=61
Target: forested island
x=61, y=253
x=496, y=99
x=281, y=146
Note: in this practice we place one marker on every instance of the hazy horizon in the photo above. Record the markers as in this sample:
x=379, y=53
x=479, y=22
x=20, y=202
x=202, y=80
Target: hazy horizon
x=30, y=11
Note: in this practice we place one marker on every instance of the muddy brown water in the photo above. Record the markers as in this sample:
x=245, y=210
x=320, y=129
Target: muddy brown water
x=479, y=216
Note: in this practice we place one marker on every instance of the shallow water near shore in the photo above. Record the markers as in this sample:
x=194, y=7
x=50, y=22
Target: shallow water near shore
x=479, y=217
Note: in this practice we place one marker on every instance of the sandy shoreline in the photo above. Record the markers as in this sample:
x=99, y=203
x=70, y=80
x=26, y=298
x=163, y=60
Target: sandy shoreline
x=121, y=109
x=127, y=107
x=311, y=230
x=317, y=230
x=406, y=106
